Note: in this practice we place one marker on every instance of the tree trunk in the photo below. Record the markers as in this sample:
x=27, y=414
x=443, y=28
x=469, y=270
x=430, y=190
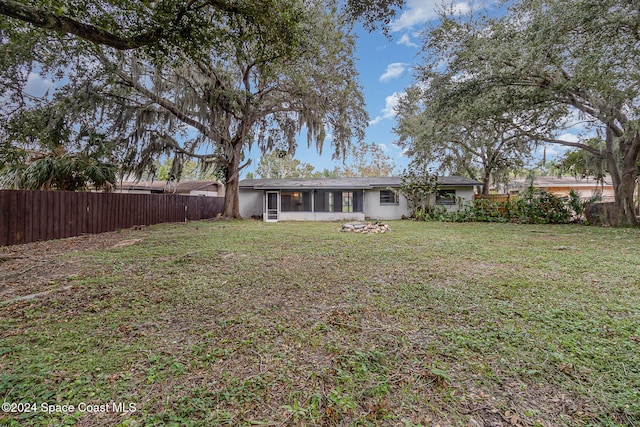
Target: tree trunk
x=232, y=178
x=624, y=200
x=623, y=177
x=486, y=181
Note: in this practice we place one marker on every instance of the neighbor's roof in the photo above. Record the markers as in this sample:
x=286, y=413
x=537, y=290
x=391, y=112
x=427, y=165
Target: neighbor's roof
x=344, y=183
x=167, y=187
x=565, y=181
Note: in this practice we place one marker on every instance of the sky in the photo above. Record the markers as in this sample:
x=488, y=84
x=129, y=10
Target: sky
x=386, y=70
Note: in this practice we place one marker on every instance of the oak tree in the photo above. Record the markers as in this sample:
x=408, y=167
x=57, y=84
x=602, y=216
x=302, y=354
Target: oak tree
x=557, y=62
x=243, y=93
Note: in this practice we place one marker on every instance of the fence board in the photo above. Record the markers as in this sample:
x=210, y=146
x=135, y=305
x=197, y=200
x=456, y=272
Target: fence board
x=496, y=198
x=29, y=216
x=13, y=212
x=4, y=219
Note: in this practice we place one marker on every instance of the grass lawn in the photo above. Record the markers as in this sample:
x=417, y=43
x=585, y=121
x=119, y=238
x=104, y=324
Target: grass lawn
x=247, y=323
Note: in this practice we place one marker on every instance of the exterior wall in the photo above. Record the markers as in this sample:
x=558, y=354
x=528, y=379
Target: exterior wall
x=119, y=190
x=321, y=216
x=204, y=193
x=585, y=192
x=251, y=203
x=374, y=210
x=464, y=196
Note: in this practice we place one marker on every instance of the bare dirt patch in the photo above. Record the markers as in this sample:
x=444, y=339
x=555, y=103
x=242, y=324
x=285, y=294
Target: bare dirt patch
x=39, y=267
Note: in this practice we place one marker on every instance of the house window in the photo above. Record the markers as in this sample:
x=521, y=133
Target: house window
x=388, y=197
x=347, y=201
x=338, y=201
x=327, y=201
x=295, y=201
x=446, y=197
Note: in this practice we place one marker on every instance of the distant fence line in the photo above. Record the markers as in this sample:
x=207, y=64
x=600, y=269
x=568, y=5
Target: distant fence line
x=32, y=215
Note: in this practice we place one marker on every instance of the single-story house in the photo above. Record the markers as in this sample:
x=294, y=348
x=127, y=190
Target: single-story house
x=185, y=188
x=340, y=199
x=561, y=186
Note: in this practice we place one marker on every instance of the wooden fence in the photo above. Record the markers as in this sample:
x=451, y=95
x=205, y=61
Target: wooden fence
x=495, y=198
x=28, y=216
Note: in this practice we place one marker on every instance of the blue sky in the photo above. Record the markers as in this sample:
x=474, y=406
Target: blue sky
x=386, y=70
x=385, y=66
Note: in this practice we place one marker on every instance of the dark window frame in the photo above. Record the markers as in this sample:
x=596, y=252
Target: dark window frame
x=386, y=195
x=443, y=197
x=302, y=203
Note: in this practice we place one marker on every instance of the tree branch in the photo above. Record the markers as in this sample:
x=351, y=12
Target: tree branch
x=177, y=148
x=565, y=143
x=50, y=21
x=162, y=102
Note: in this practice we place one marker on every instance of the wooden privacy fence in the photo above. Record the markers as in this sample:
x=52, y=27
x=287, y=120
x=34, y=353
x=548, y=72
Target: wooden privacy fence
x=495, y=198
x=28, y=216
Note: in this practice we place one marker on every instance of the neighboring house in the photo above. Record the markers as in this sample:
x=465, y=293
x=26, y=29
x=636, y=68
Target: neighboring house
x=340, y=199
x=187, y=188
x=561, y=186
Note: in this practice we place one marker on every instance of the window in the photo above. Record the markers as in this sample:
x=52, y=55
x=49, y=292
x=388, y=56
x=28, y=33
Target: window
x=295, y=201
x=446, y=197
x=327, y=201
x=338, y=201
x=347, y=201
x=388, y=197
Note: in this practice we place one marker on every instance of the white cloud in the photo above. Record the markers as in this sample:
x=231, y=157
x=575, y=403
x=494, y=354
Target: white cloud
x=461, y=8
x=393, y=71
x=569, y=137
x=37, y=86
x=389, y=111
x=406, y=41
x=418, y=12
x=384, y=148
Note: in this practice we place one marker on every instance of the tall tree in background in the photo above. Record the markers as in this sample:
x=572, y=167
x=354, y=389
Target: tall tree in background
x=366, y=160
x=551, y=61
x=458, y=142
x=243, y=93
x=280, y=164
x=584, y=164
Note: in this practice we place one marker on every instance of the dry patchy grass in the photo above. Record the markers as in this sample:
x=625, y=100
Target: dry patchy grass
x=247, y=323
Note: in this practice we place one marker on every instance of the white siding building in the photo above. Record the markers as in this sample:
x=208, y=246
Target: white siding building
x=341, y=199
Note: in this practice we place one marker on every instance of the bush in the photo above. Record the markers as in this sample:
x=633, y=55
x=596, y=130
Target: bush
x=541, y=207
x=536, y=206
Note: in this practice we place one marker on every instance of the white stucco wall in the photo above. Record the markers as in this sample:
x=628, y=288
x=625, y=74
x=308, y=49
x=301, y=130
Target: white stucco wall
x=321, y=216
x=464, y=193
x=374, y=210
x=251, y=203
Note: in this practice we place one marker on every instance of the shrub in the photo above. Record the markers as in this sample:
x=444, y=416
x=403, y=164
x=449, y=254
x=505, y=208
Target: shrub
x=536, y=206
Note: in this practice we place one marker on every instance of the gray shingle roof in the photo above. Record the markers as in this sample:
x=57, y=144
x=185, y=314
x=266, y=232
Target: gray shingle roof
x=344, y=183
